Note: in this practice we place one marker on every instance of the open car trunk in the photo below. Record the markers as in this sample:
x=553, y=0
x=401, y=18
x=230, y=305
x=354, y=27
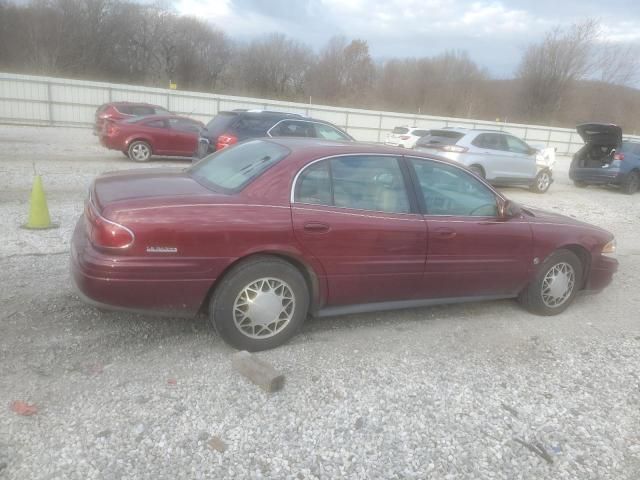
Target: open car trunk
x=602, y=141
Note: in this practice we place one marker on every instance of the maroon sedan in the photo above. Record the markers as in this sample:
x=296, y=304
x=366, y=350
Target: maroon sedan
x=264, y=233
x=141, y=137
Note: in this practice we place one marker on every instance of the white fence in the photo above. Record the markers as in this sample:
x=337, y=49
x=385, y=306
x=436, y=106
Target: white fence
x=35, y=100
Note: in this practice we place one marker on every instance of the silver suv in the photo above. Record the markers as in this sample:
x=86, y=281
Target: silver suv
x=500, y=157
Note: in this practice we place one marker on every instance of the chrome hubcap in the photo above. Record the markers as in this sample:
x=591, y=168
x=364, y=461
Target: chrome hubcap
x=140, y=152
x=558, y=284
x=264, y=308
x=543, y=181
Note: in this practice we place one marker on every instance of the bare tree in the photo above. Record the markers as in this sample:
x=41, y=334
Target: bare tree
x=617, y=63
x=548, y=69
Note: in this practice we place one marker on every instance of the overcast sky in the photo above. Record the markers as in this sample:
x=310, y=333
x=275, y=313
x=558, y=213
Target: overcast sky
x=493, y=32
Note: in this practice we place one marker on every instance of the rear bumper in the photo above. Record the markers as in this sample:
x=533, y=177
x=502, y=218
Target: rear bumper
x=601, y=274
x=132, y=284
x=597, y=176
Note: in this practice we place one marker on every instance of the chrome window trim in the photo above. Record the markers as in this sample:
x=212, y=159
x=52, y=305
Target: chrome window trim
x=295, y=180
x=345, y=139
x=361, y=154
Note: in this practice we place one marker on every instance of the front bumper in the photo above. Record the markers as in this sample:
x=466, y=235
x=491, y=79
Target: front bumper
x=601, y=274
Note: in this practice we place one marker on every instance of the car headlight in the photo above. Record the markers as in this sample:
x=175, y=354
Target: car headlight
x=609, y=248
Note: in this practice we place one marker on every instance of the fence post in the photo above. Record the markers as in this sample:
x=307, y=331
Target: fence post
x=346, y=124
x=50, y=103
x=217, y=105
x=379, y=127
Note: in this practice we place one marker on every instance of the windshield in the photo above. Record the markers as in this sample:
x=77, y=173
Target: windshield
x=234, y=167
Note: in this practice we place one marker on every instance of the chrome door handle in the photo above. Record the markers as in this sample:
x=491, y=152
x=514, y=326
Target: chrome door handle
x=316, y=227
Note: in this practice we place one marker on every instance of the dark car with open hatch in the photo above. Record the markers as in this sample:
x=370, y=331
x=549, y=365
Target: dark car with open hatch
x=269, y=231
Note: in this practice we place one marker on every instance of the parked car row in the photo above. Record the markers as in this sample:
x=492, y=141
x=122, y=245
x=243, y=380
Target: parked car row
x=141, y=130
x=504, y=159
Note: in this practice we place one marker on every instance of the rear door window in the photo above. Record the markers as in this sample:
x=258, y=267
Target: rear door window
x=400, y=130
x=369, y=183
x=490, y=141
x=420, y=133
x=292, y=128
x=329, y=133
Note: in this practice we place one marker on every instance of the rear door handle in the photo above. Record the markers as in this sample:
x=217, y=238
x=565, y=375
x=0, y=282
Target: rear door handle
x=316, y=227
x=445, y=233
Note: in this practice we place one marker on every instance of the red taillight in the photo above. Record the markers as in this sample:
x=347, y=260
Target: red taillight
x=225, y=140
x=404, y=137
x=618, y=156
x=104, y=233
x=111, y=128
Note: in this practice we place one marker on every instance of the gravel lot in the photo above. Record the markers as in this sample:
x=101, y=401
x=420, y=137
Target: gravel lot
x=473, y=391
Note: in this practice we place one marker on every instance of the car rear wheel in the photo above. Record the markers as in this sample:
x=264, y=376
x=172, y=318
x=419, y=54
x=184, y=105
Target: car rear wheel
x=555, y=285
x=260, y=304
x=631, y=183
x=139, y=151
x=542, y=182
x=478, y=170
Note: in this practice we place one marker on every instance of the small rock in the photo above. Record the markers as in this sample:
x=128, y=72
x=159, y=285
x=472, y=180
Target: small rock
x=172, y=381
x=202, y=436
x=3, y=465
x=104, y=433
x=359, y=423
x=138, y=429
x=217, y=444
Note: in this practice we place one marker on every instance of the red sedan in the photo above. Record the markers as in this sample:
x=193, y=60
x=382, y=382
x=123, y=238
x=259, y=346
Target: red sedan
x=264, y=233
x=141, y=137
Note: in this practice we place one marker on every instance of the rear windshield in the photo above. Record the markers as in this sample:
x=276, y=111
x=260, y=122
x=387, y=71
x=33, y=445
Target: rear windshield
x=400, y=130
x=220, y=122
x=440, y=137
x=420, y=133
x=232, y=168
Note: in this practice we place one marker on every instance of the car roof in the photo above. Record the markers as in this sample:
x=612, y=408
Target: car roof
x=273, y=114
x=316, y=147
x=162, y=117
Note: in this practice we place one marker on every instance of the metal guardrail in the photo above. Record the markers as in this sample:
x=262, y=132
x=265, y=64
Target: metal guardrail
x=35, y=100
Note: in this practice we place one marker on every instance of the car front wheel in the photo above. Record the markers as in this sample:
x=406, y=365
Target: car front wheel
x=260, y=304
x=139, y=151
x=555, y=285
x=542, y=182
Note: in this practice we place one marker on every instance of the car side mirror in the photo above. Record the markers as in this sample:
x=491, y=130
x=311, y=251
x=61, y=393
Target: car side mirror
x=508, y=209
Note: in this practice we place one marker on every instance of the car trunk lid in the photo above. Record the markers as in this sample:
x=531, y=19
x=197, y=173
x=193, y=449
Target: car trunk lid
x=600, y=134
x=143, y=183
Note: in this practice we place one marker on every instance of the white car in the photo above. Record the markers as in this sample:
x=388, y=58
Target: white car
x=497, y=156
x=405, y=136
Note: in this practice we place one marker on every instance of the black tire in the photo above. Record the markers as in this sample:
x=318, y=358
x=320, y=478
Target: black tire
x=542, y=182
x=531, y=297
x=478, y=170
x=139, y=151
x=631, y=183
x=222, y=311
x=126, y=153
x=579, y=184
